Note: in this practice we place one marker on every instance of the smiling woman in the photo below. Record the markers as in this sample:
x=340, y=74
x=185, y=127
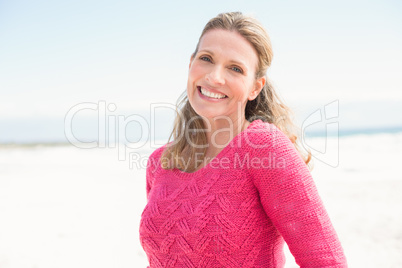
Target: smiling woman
x=222, y=75
x=231, y=187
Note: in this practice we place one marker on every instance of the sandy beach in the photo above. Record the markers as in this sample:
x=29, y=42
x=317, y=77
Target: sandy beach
x=61, y=206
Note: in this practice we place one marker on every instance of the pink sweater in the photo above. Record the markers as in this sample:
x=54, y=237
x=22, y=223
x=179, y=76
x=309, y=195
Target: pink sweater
x=238, y=210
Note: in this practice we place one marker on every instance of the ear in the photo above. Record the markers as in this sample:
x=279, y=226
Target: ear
x=259, y=84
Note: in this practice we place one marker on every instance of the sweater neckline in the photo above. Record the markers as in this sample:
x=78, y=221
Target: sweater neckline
x=230, y=145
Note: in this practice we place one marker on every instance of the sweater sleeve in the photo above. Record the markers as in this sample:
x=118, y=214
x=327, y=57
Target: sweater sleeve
x=291, y=201
x=153, y=164
x=148, y=177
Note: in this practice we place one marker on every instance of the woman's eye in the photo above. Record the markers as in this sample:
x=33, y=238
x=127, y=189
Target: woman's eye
x=237, y=69
x=205, y=58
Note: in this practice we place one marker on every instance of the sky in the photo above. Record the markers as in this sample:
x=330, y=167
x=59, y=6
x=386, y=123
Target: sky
x=55, y=55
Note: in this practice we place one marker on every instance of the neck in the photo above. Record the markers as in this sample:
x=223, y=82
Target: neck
x=221, y=131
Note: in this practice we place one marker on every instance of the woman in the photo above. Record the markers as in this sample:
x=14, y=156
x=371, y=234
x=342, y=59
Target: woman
x=232, y=187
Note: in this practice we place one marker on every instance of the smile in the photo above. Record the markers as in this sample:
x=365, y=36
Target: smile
x=211, y=94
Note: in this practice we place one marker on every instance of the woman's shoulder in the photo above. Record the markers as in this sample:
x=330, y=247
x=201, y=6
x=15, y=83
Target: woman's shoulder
x=157, y=153
x=154, y=159
x=263, y=134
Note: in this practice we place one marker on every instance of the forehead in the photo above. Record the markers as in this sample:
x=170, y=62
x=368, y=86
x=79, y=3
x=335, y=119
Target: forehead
x=229, y=45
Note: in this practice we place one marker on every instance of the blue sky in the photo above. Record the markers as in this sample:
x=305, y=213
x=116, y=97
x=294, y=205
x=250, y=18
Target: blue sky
x=56, y=54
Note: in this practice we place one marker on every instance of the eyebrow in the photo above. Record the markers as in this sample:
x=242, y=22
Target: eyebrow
x=233, y=61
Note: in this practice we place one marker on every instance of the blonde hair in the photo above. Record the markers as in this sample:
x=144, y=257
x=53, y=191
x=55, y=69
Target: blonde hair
x=181, y=153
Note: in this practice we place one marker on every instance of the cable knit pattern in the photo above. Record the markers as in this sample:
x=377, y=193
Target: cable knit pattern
x=238, y=210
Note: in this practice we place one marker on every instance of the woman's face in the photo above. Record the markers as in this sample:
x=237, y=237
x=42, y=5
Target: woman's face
x=222, y=74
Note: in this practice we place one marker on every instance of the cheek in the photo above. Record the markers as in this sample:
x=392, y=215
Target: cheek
x=196, y=71
x=190, y=77
x=243, y=88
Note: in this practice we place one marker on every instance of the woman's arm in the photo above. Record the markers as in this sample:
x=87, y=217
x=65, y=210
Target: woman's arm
x=153, y=164
x=290, y=199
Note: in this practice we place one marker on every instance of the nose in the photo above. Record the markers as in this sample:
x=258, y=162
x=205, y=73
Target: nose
x=215, y=76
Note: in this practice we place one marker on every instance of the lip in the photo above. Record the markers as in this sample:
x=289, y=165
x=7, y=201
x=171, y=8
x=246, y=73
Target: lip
x=208, y=98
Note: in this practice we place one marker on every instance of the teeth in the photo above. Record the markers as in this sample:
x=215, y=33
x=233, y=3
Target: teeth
x=211, y=94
